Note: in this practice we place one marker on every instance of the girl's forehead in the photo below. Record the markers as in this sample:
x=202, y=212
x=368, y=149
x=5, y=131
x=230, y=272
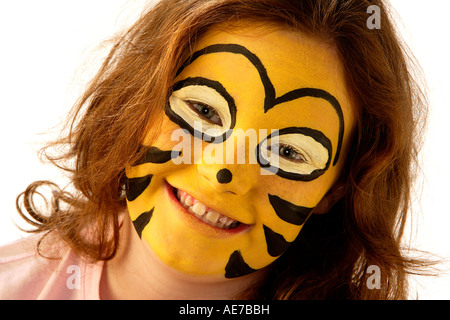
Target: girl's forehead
x=283, y=51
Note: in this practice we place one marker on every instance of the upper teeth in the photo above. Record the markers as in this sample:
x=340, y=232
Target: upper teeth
x=204, y=213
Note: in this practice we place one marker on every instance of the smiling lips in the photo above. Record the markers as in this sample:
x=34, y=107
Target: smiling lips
x=203, y=213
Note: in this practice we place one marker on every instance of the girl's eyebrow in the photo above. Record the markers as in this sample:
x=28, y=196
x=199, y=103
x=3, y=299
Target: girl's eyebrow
x=271, y=100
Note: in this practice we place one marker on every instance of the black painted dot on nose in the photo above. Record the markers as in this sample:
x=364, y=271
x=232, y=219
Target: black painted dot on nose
x=224, y=176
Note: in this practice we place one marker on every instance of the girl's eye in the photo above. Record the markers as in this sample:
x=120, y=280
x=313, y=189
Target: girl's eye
x=295, y=153
x=288, y=152
x=205, y=111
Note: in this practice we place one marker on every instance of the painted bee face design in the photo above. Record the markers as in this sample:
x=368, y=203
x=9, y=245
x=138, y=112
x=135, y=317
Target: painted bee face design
x=232, y=217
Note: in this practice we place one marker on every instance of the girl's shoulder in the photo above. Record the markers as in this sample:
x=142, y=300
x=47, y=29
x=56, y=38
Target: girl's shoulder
x=52, y=273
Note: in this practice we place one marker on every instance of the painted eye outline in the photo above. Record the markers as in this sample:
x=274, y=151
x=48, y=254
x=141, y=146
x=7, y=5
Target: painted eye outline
x=308, y=132
x=221, y=91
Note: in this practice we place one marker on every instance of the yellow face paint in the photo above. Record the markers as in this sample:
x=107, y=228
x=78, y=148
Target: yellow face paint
x=278, y=95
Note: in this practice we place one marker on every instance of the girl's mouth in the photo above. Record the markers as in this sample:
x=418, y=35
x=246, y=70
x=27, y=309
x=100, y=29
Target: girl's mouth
x=203, y=213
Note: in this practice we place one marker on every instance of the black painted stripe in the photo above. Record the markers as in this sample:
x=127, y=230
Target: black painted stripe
x=142, y=221
x=276, y=244
x=156, y=155
x=135, y=186
x=288, y=211
x=236, y=266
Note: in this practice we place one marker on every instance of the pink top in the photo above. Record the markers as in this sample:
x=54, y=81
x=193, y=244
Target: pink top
x=25, y=275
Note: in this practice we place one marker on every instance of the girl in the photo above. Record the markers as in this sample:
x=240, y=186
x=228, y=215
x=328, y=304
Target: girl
x=233, y=149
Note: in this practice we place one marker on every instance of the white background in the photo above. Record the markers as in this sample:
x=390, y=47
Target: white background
x=49, y=50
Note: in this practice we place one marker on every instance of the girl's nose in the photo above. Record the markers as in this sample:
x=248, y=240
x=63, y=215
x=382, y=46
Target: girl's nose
x=238, y=179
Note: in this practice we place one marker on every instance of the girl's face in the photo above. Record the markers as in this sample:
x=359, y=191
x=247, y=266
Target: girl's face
x=254, y=134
